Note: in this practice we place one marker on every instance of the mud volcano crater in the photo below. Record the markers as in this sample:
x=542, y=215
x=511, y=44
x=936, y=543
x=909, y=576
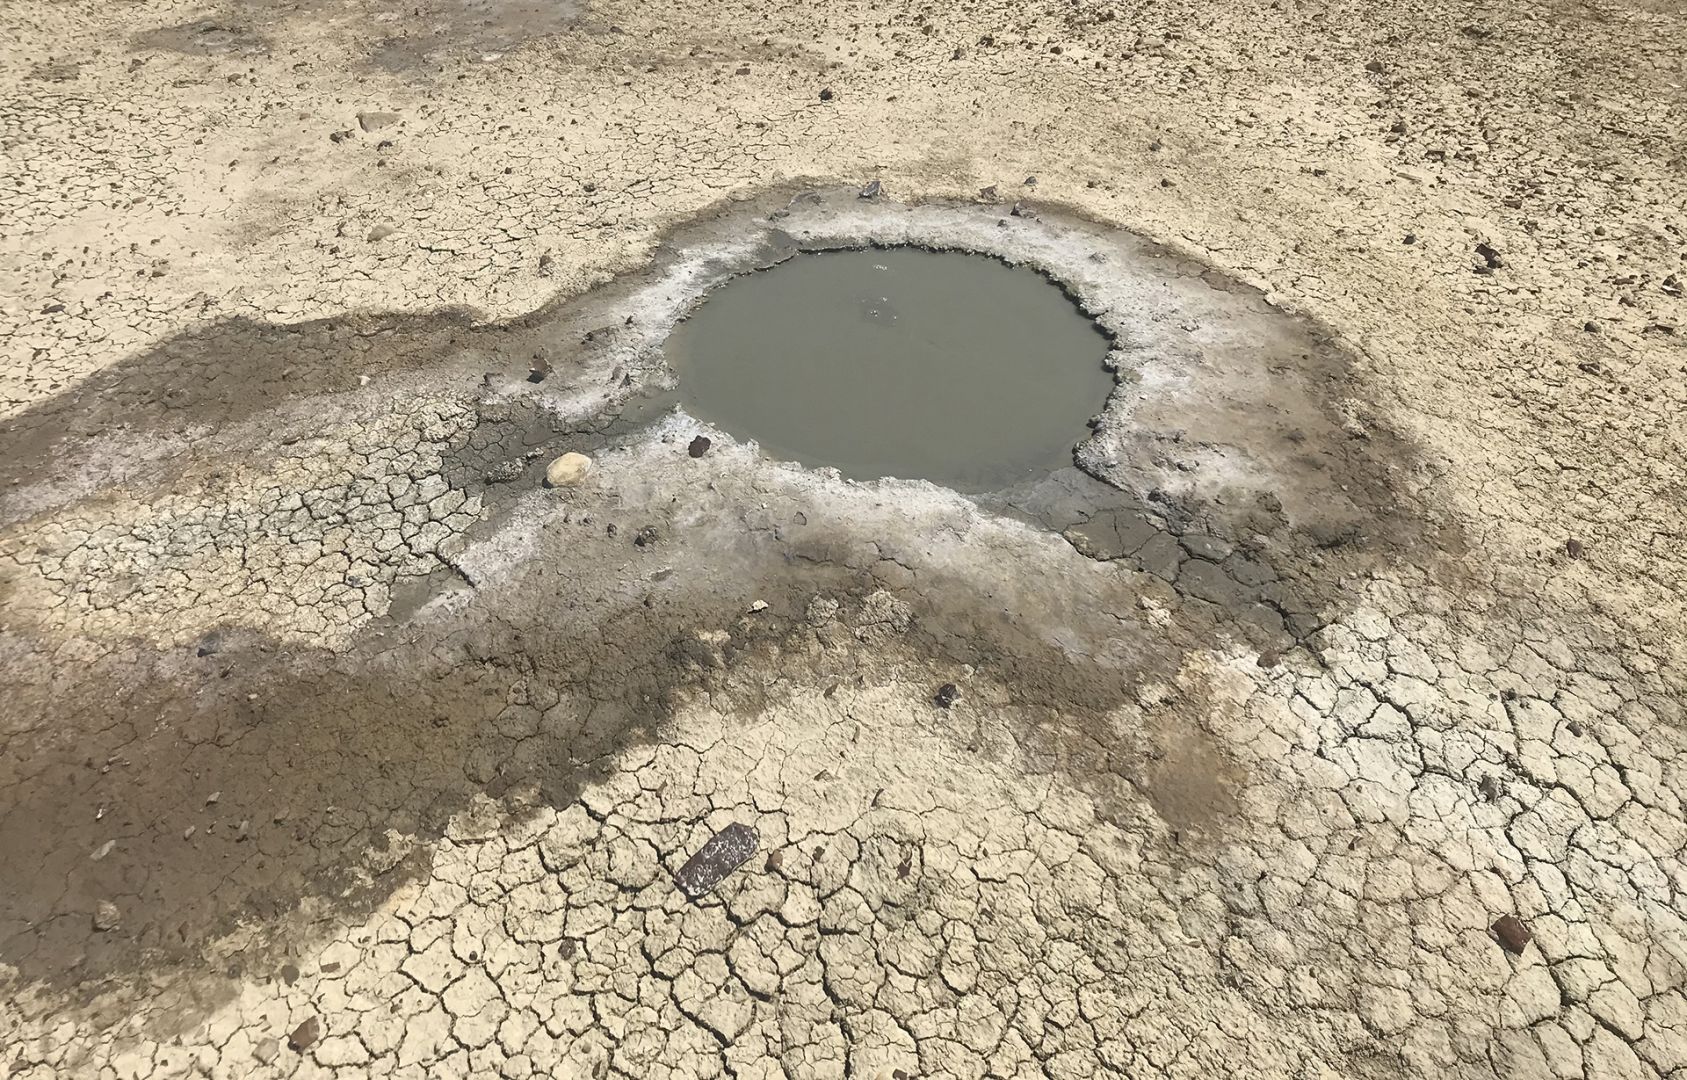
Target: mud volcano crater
x=901, y=361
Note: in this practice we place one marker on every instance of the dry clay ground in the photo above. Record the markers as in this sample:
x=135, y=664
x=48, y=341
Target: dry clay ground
x=334, y=746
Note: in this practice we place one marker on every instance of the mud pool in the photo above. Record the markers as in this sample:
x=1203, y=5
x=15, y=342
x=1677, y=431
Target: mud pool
x=949, y=367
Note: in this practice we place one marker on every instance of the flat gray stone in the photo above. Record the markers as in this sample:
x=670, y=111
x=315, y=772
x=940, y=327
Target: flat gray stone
x=725, y=852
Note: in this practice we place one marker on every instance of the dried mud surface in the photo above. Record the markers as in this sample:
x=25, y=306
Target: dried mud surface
x=1324, y=718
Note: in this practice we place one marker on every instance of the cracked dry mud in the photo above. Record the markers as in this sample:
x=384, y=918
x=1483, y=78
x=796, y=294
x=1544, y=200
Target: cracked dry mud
x=1324, y=719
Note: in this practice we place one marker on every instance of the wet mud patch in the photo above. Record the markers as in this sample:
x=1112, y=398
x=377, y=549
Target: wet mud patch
x=204, y=37
x=434, y=28
x=580, y=618
x=512, y=440
x=1242, y=566
x=219, y=375
x=1230, y=462
x=404, y=39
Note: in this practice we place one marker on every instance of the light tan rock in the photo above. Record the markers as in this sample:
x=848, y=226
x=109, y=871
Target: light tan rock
x=569, y=470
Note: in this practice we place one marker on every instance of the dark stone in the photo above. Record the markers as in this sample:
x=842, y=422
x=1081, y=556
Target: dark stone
x=1374, y=67
x=209, y=645
x=646, y=536
x=1574, y=549
x=988, y=193
x=947, y=695
x=871, y=190
x=1512, y=934
x=1489, y=256
x=699, y=446
x=725, y=852
x=289, y=974
x=826, y=94
x=305, y=1034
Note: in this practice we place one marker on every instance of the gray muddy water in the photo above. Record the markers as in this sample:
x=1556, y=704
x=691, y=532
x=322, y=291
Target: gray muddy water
x=953, y=368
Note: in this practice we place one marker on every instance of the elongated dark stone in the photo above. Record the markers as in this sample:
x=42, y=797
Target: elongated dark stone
x=725, y=852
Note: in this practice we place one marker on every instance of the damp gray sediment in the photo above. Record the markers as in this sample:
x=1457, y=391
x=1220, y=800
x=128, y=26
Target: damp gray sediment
x=897, y=362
